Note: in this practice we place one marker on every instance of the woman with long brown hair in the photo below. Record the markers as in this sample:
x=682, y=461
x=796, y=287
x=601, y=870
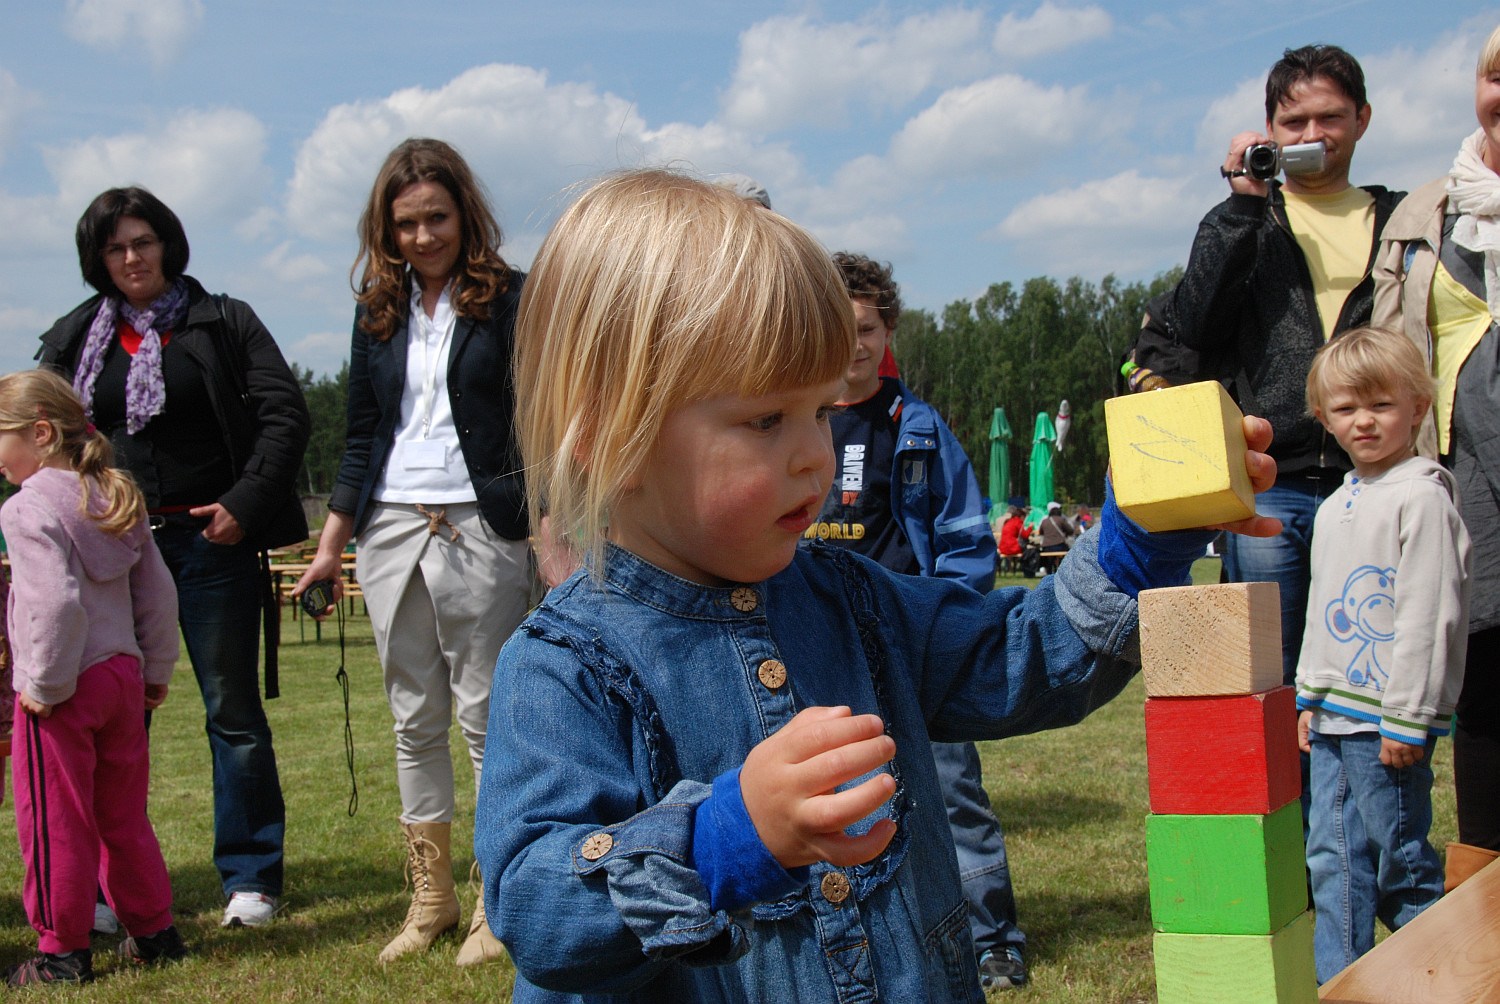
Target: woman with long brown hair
x=431, y=486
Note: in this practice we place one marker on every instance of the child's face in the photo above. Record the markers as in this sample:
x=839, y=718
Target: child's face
x=864, y=371
x=1376, y=429
x=21, y=451
x=731, y=485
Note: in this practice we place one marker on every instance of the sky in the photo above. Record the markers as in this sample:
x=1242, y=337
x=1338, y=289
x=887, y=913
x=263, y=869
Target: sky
x=966, y=144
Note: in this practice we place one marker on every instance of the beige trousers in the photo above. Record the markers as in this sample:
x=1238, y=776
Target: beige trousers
x=440, y=609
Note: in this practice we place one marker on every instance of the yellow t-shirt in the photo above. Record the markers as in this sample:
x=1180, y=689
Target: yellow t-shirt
x=1335, y=233
x=1457, y=319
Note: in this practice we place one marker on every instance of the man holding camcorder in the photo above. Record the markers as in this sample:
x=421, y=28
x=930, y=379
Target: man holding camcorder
x=1277, y=269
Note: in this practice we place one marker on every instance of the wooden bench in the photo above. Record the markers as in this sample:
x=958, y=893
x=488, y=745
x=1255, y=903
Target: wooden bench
x=1449, y=955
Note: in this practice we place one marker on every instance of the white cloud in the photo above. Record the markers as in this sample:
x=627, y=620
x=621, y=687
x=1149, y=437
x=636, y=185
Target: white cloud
x=160, y=26
x=527, y=138
x=208, y=166
x=287, y=267
x=1422, y=106
x=880, y=235
x=1114, y=224
x=1050, y=29
x=14, y=101
x=1241, y=110
x=793, y=71
x=991, y=126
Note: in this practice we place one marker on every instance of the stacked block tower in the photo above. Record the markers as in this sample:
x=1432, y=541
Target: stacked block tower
x=1224, y=838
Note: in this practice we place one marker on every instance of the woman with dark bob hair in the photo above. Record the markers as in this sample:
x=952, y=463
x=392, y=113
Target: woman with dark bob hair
x=431, y=485
x=203, y=412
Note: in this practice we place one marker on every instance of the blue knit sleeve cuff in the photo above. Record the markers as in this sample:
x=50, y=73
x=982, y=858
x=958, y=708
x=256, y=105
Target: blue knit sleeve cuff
x=729, y=855
x=1135, y=559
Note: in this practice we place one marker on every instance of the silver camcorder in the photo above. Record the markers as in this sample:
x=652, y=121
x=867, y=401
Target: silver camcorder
x=1263, y=161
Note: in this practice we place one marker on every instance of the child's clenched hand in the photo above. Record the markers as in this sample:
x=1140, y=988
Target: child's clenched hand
x=156, y=693
x=1304, y=728
x=788, y=784
x=1395, y=753
x=34, y=706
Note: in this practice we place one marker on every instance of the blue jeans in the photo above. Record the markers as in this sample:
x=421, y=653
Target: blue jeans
x=1367, y=849
x=977, y=837
x=219, y=607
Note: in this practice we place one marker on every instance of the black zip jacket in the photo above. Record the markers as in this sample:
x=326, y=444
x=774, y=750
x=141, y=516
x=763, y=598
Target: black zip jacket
x=481, y=393
x=257, y=405
x=1246, y=305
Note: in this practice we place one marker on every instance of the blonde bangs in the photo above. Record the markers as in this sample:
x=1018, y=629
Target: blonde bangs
x=1489, y=56
x=1368, y=362
x=654, y=290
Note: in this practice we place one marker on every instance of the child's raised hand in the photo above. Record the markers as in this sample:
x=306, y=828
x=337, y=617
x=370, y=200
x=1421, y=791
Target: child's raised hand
x=1395, y=753
x=1262, y=471
x=788, y=784
x=156, y=693
x=35, y=707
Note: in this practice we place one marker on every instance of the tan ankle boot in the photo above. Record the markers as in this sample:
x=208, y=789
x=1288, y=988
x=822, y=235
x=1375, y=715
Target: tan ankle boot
x=481, y=945
x=434, y=901
x=1464, y=860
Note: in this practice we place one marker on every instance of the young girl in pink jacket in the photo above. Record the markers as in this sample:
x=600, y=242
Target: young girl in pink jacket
x=92, y=618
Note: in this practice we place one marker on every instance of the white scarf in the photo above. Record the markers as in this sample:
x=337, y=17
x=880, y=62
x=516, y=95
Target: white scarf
x=1474, y=194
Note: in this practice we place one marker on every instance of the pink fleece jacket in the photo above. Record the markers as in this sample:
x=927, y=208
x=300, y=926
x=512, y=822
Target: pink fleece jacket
x=79, y=595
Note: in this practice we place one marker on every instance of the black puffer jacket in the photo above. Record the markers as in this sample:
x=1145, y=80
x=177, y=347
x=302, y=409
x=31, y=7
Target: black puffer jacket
x=257, y=405
x=1246, y=305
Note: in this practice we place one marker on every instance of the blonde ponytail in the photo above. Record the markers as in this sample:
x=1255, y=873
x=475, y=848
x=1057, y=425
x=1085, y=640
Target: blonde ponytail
x=32, y=396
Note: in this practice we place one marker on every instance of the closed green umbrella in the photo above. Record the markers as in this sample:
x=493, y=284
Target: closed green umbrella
x=1000, y=436
x=1041, y=463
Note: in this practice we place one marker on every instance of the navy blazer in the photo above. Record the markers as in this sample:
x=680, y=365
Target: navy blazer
x=481, y=393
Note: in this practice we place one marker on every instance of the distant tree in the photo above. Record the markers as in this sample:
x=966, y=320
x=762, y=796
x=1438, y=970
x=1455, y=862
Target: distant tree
x=1026, y=351
x=326, y=400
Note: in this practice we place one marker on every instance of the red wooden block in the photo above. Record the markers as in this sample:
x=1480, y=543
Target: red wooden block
x=1216, y=755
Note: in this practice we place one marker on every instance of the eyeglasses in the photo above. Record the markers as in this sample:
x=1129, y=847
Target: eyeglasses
x=142, y=246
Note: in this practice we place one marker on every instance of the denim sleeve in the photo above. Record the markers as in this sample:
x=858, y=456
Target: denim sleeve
x=588, y=878
x=732, y=860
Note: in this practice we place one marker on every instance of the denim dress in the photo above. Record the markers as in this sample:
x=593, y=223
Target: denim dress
x=621, y=699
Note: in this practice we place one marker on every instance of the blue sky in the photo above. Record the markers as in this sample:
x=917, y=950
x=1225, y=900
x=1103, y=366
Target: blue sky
x=968, y=144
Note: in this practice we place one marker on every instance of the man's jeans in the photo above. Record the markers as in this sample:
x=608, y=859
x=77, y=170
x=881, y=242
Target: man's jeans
x=219, y=607
x=1367, y=849
x=1285, y=559
x=981, y=849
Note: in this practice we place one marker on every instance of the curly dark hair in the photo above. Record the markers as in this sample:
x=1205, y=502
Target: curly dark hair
x=867, y=279
x=383, y=287
x=96, y=227
x=1298, y=65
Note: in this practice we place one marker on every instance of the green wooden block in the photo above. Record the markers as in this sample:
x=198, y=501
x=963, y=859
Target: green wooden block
x=1226, y=874
x=1238, y=968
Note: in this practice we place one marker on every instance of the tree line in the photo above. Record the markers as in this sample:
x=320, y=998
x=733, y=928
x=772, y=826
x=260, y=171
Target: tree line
x=1024, y=350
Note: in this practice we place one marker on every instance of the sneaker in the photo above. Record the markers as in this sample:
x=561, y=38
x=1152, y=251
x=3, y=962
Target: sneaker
x=105, y=921
x=1002, y=970
x=248, y=909
x=74, y=967
x=163, y=946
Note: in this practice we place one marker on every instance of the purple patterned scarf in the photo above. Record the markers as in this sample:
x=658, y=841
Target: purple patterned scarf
x=145, y=388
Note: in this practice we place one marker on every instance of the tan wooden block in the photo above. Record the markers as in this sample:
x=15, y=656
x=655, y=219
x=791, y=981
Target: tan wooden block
x=1206, y=640
x=1177, y=457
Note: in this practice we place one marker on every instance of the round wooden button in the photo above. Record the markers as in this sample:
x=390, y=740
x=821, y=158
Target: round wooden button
x=835, y=887
x=596, y=846
x=744, y=599
x=772, y=674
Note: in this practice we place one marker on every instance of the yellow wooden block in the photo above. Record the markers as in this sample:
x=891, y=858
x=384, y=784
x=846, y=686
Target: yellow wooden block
x=1177, y=457
x=1202, y=640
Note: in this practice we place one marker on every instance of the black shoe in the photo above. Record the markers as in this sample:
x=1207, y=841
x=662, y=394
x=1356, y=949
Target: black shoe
x=1002, y=970
x=163, y=946
x=75, y=967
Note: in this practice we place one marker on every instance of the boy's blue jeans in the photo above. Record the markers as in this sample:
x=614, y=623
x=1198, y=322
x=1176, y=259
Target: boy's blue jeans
x=1367, y=846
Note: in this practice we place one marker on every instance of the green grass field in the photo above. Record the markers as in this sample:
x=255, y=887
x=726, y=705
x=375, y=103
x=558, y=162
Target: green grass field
x=1073, y=804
